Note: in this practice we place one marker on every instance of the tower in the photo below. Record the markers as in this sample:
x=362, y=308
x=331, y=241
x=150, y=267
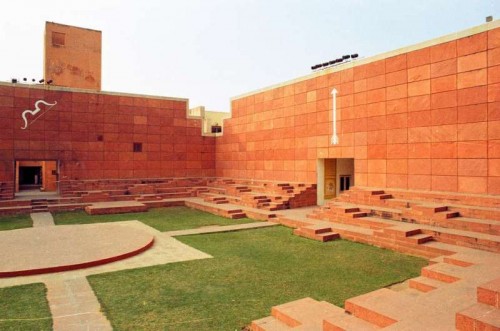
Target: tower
x=72, y=56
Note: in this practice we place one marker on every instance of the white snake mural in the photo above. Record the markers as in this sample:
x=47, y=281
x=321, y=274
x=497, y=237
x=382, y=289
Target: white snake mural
x=36, y=111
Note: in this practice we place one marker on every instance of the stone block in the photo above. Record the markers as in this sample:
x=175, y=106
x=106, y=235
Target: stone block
x=472, y=62
x=472, y=44
x=444, y=68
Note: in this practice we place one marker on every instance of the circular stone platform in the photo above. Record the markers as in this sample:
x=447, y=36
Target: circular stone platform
x=68, y=247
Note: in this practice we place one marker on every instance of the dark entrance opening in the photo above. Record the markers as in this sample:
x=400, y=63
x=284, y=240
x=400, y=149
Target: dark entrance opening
x=345, y=183
x=30, y=178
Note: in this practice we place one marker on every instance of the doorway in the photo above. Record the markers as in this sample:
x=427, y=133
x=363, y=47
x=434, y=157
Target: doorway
x=30, y=177
x=36, y=176
x=334, y=176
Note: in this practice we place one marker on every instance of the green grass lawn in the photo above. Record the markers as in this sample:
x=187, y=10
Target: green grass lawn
x=251, y=271
x=12, y=222
x=162, y=219
x=24, y=307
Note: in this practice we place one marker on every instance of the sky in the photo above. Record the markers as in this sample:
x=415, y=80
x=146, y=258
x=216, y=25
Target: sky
x=211, y=50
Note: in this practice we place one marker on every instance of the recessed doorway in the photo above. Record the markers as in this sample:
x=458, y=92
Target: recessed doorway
x=334, y=176
x=36, y=176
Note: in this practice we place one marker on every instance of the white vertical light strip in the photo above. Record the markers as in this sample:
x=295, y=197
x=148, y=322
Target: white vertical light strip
x=335, y=138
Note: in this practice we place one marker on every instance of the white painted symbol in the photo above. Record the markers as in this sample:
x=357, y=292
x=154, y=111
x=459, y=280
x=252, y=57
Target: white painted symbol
x=335, y=138
x=36, y=111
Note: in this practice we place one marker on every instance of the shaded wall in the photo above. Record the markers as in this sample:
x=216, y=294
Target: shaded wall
x=426, y=118
x=92, y=135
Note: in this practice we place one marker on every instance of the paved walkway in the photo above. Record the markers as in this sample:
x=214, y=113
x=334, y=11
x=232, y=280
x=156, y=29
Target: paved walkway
x=74, y=306
x=72, y=302
x=217, y=228
x=42, y=219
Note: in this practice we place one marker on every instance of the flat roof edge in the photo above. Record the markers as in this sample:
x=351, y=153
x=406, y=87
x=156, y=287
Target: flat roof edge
x=72, y=26
x=78, y=90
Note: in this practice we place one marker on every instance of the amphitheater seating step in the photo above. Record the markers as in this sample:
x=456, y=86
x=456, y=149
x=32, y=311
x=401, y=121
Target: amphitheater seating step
x=425, y=284
x=382, y=307
x=420, y=238
x=478, y=317
x=300, y=312
x=344, y=321
x=489, y=293
x=270, y=323
x=224, y=210
x=443, y=272
x=317, y=232
x=115, y=207
x=471, y=224
x=293, y=222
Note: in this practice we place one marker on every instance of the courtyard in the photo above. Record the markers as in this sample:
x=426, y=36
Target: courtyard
x=237, y=278
x=362, y=193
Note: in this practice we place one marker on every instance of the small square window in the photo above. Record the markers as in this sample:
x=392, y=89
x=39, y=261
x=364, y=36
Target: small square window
x=137, y=147
x=58, y=39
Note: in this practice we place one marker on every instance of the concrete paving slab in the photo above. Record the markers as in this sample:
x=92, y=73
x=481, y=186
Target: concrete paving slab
x=42, y=219
x=74, y=305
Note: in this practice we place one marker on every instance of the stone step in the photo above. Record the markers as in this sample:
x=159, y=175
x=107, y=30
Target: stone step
x=328, y=318
x=445, y=215
x=469, y=239
x=478, y=317
x=344, y=321
x=489, y=293
x=402, y=230
x=430, y=209
x=323, y=236
x=220, y=202
x=425, y=284
x=382, y=307
x=316, y=229
x=368, y=222
x=294, y=313
x=400, y=203
x=237, y=216
x=471, y=224
x=344, y=209
x=305, y=314
x=292, y=223
x=420, y=238
x=269, y=324
x=443, y=272
x=234, y=211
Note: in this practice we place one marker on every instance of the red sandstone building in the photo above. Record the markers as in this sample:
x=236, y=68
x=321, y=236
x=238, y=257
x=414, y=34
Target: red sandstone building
x=425, y=117
x=416, y=130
